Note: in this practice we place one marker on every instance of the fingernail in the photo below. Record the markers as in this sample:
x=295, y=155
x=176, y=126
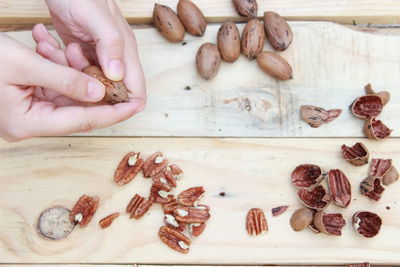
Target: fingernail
x=48, y=46
x=95, y=90
x=115, y=70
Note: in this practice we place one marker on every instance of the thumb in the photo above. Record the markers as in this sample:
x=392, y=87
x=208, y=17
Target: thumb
x=65, y=80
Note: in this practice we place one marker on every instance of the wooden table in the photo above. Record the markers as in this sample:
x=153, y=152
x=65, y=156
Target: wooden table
x=239, y=134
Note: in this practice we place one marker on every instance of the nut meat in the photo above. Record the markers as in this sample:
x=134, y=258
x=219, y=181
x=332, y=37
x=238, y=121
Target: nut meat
x=177, y=172
x=256, y=224
x=171, y=222
x=376, y=130
x=199, y=214
x=208, y=60
x=307, y=176
x=316, y=198
x=174, y=239
x=191, y=17
x=128, y=168
x=165, y=177
x=116, y=91
x=246, y=8
x=329, y=223
x=84, y=209
x=190, y=197
x=277, y=30
x=138, y=206
x=159, y=193
x=168, y=24
x=169, y=207
x=340, y=188
x=316, y=116
x=357, y=155
x=229, y=41
x=107, y=221
x=367, y=223
x=196, y=229
x=154, y=165
x=253, y=37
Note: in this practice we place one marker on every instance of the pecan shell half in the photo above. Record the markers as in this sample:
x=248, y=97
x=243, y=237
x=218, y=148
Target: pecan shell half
x=138, y=206
x=174, y=239
x=340, y=188
x=372, y=188
x=368, y=106
x=316, y=116
x=128, y=168
x=385, y=95
x=190, y=197
x=256, y=224
x=316, y=198
x=379, y=167
x=391, y=176
x=154, y=165
x=329, y=223
x=199, y=214
x=357, y=155
x=279, y=210
x=159, y=193
x=301, y=219
x=376, y=130
x=367, y=223
x=307, y=176
x=107, y=221
x=84, y=210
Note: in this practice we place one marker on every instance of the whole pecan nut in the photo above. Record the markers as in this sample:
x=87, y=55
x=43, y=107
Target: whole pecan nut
x=138, y=206
x=301, y=219
x=376, y=130
x=154, y=165
x=316, y=198
x=372, y=188
x=307, y=176
x=278, y=31
x=367, y=223
x=174, y=239
x=128, y=168
x=379, y=167
x=357, y=155
x=316, y=116
x=279, y=210
x=197, y=214
x=329, y=223
x=256, y=224
x=246, y=8
x=190, y=197
x=84, y=210
x=107, y=221
x=368, y=106
x=340, y=188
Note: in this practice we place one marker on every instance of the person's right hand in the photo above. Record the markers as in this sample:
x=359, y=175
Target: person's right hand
x=41, y=98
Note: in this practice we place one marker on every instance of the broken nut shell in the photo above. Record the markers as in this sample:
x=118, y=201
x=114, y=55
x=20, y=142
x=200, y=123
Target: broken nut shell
x=307, y=176
x=316, y=198
x=329, y=223
x=376, y=130
x=367, y=224
x=340, y=188
x=316, y=116
x=368, y=106
x=356, y=155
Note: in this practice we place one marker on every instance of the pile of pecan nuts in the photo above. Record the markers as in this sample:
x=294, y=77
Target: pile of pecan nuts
x=314, y=195
x=182, y=215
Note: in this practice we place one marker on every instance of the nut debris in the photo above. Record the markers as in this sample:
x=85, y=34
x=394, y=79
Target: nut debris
x=391, y=176
x=368, y=106
x=372, y=188
x=256, y=224
x=385, y=95
x=279, y=210
x=54, y=223
x=376, y=130
x=301, y=219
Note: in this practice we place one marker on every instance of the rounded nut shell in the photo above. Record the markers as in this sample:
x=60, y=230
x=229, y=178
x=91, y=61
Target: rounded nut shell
x=208, y=60
x=229, y=41
x=277, y=30
x=168, y=23
x=329, y=223
x=356, y=155
x=366, y=224
x=246, y=8
x=301, y=219
x=274, y=65
x=385, y=95
x=253, y=38
x=191, y=17
x=376, y=130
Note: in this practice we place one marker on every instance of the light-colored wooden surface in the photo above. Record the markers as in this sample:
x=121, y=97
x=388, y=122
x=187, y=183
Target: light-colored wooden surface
x=331, y=64
x=38, y=173
x=140, y=11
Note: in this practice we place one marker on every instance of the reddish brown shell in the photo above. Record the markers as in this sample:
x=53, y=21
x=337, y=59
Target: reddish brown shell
x=191, y=196
x=372, y=188
x=379, y=167
x=279, y=210
x=168, y=24
x=191, y=17
x=316, y=198
x=307, y=176
x=376, y=130
x=367, y=224
x=367, y=106
x=301, y=219
x=278, y=31
x=329, y=223
x=357, y=155
x=391, y=176
x=340, y=188
x=385, y=95
x=253, y=37
x=316, y=116
x=246, y=8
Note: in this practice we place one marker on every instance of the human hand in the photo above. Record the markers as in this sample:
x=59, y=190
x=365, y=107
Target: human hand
x=99, y=27
x=42, y=98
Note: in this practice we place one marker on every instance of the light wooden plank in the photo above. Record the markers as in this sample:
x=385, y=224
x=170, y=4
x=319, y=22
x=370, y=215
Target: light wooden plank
x=331, y=65
x=140, y=11
x=38, y=173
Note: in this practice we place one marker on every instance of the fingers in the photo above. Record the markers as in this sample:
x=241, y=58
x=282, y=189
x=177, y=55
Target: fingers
x=66, y=120
x=74, y=84
x=40, y=34
x=75, y=56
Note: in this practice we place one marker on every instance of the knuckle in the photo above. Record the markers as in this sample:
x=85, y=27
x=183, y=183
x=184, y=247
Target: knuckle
x=69, y=84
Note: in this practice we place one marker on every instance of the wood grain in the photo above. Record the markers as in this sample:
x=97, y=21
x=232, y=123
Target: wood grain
x=39, y=173
x=331, y=65
x=140, y=11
